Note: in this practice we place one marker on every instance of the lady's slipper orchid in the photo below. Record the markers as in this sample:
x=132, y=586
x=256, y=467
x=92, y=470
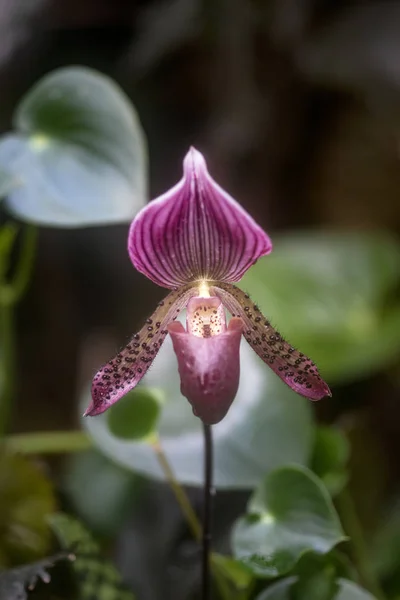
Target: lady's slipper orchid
x=196, y=240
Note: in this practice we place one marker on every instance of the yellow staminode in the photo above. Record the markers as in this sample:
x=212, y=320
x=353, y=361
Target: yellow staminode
x=204, y=289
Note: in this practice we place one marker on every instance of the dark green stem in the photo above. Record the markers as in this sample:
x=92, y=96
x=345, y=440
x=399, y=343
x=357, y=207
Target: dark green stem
x=10, y=294
x=207, y=512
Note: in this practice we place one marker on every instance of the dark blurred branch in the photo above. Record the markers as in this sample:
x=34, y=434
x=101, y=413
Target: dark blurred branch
x=238, y=108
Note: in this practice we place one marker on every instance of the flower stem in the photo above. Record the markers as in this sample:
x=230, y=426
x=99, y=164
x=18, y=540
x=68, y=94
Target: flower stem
x=25, y=264
x=189, y=514
x=353, y=527
x=207, y=515
x=179, y=492
x=10, y=294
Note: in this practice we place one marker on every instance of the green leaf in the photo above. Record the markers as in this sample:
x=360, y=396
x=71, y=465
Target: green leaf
x=330, y=295
x=278, y=591
x=331, y=453
x=101, y=492
x=283, y=591
x=333, y=565
x=96, y=577
x=316, y=578
x=238, y=579
x=136, y=415
x=26, y=499
x=78, y=152
x=291, y=513
x=13, y=583
x=267, y=426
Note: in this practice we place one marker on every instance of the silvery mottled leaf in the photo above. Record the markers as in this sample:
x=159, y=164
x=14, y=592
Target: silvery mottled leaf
x=78, y=153
x=289, y=514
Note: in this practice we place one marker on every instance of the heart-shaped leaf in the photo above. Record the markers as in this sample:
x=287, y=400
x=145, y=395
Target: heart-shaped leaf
x=267, y=426
x=291, y=513
x=136, y=415
x=331, y=294
x=78, y=152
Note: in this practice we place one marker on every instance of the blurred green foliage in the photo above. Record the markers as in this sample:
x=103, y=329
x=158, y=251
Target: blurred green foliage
x=284, y=591
x=26, y=498
x=95, y=577
x=333, y=295
x=330, y=457
x=101, y=493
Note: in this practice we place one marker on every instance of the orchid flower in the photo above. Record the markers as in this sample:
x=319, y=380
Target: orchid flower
x=197, y=241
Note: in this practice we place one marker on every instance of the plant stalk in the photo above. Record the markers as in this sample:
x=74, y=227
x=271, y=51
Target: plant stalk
x=10, y=294
x=179, y=492
x=48, y=442
x=207, y=512
x=189, y=514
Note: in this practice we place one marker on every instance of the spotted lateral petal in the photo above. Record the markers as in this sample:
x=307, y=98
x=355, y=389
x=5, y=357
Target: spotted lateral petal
x=293, y=367
x=123, y=373
x=195, y=231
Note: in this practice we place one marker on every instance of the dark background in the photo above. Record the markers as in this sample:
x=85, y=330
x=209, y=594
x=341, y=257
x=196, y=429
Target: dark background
x=296, y=105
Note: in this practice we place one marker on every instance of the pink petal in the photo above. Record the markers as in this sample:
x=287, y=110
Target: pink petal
x=195, y=231
x=293, y=367
x=209, y=369
x=123, y=373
